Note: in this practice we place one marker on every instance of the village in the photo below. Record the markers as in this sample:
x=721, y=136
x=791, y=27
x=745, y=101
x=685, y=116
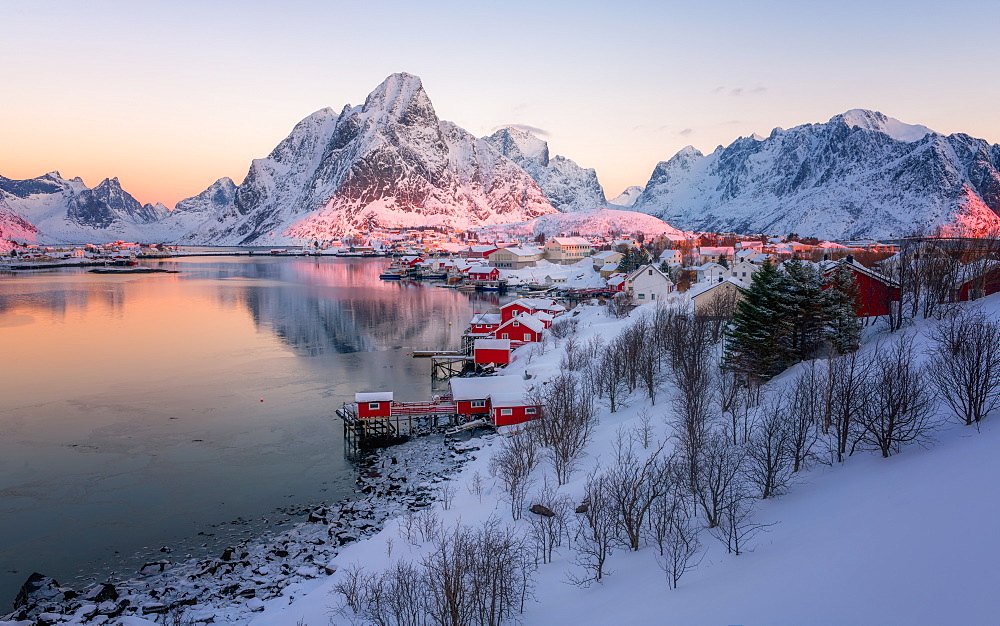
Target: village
x=708, y=281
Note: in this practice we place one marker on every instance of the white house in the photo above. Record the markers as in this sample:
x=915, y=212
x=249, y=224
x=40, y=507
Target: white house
x=714, y=254
x=710, y=272
x=742, y=272
x=670, y=256
x=648, y=284
x=607, y=261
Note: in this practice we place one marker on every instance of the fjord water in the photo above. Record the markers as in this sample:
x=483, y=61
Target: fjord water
x=185, y=410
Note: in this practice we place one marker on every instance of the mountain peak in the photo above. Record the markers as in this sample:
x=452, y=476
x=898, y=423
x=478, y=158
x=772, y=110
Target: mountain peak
x=878, y=121
x=401, y=97
x=518, y=144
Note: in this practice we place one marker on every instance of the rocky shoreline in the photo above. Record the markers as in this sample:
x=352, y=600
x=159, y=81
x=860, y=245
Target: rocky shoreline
x=230, y=588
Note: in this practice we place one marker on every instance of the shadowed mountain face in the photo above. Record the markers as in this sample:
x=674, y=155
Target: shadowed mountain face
x=861, y=174
x=389, y=162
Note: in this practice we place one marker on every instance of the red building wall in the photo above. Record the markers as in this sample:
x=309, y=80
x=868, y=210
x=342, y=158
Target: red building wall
x=990, y=284
x=501, y=357
x=519, y=415
x=383, y=410
x=874, y=296
x=465, y=408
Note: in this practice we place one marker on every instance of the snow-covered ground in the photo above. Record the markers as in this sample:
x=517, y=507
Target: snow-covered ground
x=579, y=275
x=903, y=540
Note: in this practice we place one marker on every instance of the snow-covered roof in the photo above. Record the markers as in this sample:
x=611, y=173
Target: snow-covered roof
x=482, y=387
x=711, y=265
x=492, y=344
x=486, y=318
x=507, y=399
x=703, y=288
x=373, y=396
x=519, y=251
x=530, y=321
x=605, y=254
x=716, y=250
x=538, y=304
x=569, y=241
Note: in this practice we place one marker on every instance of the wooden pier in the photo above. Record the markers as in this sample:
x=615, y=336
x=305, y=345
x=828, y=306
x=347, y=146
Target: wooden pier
x=405, y=419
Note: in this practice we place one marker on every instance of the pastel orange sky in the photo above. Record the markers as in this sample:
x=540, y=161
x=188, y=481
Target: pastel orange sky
x=170, y=96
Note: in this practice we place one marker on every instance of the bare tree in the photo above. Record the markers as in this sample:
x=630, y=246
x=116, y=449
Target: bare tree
x=679, y=546
x=719, y=473
x=805, y=415
x=769, y=451
x=512, y=463
x=549, y=521
x=595, y=533
x=634, y=484
x=609, y=379
x=567, y=422
x=965, y=367
x=899, y=409
x=848, y=387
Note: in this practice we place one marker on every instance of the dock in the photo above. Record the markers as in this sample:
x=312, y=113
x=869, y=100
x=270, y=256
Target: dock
x=405, y=419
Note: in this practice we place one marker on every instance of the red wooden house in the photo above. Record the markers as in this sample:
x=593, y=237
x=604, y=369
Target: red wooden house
x=876, y=291
x=483, y=273
x=499, y=398
x=484, y=323
x=520, y=330
x=508, y=409
x=979, y=279
x=374, y=404
x=491, y=351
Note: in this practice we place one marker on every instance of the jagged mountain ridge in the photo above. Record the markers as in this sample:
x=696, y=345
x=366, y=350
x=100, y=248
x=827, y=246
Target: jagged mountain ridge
x=389, y=162
x=567, y=186
x=628, y=197
x=14, y=228
x=862, y=174
x=67, y=211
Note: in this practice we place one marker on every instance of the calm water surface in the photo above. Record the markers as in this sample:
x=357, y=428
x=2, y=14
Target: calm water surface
x=131, y=412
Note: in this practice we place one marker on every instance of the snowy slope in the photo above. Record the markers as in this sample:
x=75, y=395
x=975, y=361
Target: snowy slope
x=390, y=162
x=628, y=197
x=601, y=222
x=861, y=174
x=14, y=228
x=67, y=211
x=567, y=186
x=871, y=541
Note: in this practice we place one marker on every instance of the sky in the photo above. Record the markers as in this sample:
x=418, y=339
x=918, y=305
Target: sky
x=170, y=96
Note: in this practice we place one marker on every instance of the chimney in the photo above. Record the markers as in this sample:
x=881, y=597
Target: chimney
x=850, y=259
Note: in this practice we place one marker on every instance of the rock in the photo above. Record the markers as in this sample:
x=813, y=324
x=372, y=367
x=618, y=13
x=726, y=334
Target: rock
x=227, y=554
x=541, y=509
x=156, y=607
x=583, y=508
x=101, y=593
x=154, y=566
x=256, y=605
x=38, y=588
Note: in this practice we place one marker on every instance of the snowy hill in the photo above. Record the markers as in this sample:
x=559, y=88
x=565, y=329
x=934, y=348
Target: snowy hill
x=67, y=211
x=390, y=162
x=628, y=197
x=869, y=541
x=566, y=185
x=594, y=222
x=862, y=174
x=14, y=228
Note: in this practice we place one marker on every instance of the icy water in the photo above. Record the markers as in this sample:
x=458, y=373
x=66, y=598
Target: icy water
x=184, y=411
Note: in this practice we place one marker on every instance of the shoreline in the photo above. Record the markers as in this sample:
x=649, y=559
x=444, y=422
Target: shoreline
x=233, y=586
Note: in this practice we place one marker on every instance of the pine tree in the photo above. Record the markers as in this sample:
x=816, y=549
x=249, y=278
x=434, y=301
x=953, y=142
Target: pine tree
x=843, y=329
x=757, y=340
x=808, y=310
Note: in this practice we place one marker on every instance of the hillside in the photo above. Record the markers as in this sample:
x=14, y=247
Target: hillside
x=889, y=541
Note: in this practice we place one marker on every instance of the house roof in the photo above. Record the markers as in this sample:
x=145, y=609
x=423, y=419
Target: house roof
x=507, y=399
x=702, y=288
x=537, y=304
x=519, y=251
x=605, y=254
x=486, y=318
x=373, y=396
x=569, y=241
x=531, y=322
x=482, y=387
x=492, y=344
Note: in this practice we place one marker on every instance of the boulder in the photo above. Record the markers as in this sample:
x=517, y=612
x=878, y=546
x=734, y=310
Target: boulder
x=541, y=509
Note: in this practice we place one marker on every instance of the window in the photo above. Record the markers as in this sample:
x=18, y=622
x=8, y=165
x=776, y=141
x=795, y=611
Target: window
x=516, y=323
x=479, y=404
x=530, y=410
x=650, y=272
x=506, y=411
x=642, y=296
x=373, y=406
x=527, y=336
x=504, y=336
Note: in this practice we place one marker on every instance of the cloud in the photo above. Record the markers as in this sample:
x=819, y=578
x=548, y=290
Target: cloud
x=531, y=129
x=686, y=131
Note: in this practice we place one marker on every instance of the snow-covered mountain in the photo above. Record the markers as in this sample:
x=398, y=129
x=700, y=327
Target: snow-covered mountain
x=14, y=228
x=567, y=186
x=67, y=211
x=389, y=162
x=628, y=197
x=602, y=222
x=862, y=174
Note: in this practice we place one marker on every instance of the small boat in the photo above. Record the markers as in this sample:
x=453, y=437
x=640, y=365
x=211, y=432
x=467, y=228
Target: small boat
x=392, y=275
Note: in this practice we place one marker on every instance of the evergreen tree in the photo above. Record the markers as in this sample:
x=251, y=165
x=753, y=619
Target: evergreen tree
x=843, y=329
x=724, y=262
x=632, y=258
x=807, y=311
x=757, y=340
